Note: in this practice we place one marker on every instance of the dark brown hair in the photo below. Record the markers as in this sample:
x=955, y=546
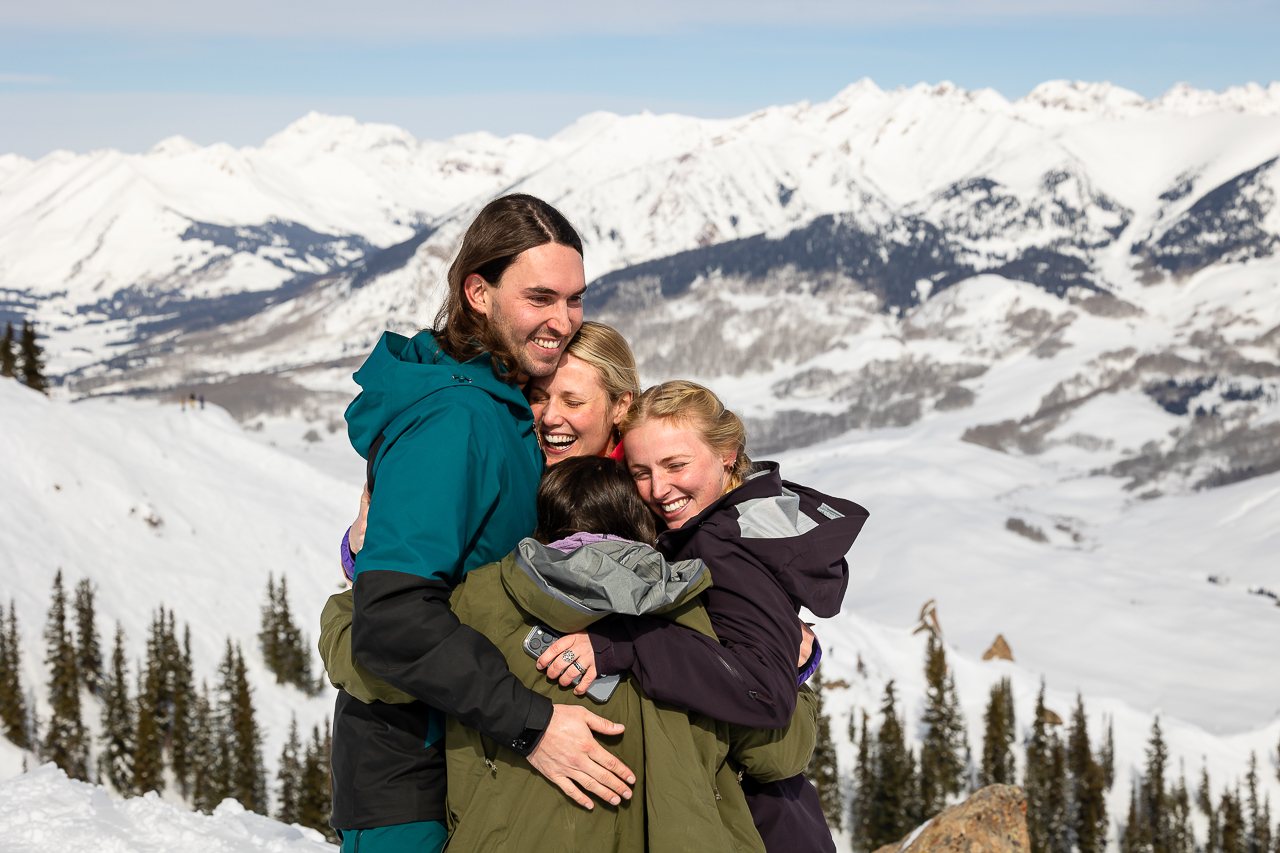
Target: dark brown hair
x=505, y=227
x=591, y=494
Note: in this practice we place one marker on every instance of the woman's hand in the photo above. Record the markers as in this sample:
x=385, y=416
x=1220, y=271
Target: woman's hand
x=806, y=644
x=558, y=668
x=355, y=540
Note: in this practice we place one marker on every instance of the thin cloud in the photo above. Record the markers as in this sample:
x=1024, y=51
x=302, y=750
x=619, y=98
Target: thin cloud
x=415, y=19
x=27, y=78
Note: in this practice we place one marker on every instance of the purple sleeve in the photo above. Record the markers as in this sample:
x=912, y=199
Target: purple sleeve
x=815, y=658
x=348, y=559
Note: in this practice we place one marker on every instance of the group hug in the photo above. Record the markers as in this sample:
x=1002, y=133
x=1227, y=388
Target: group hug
x=574, y=620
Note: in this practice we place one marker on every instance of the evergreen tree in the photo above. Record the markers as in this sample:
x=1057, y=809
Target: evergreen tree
x=290, y=776
x=1204, y=802
x=823, y=770
x=1108, y=757
x=8, y=359
x=115, y=762
x=209, y=783
x=284, y=649
x=13, y=703
x=1044, y=783
x=942, y=755
x=1181, y=838
x=66, y=744
x=88, y=650
x=1060, y=833
x=860, y=809
x=998, y=766
x=1131, y=840
x=1155, y=814
x=248, y=778
x=1234, y=832
x=1088, y=804
x=148, y=747
x=32, y=363
x=315, y=802
x=183, y=707
x=269, y=636
x=894, y=795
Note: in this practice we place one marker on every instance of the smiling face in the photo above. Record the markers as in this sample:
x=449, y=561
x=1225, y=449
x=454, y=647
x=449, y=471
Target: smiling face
x=572, y=410
x=678, y=473
x=535, y=307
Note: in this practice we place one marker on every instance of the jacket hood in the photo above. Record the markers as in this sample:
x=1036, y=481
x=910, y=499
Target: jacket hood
x=570, y=591
x=402, y=371
x=798, y=534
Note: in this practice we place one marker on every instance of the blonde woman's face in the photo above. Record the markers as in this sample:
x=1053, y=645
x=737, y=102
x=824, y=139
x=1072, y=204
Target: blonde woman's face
x=678, y=474
x=572, y=412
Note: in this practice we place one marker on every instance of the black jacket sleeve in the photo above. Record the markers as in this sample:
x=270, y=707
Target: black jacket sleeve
x=404, y=632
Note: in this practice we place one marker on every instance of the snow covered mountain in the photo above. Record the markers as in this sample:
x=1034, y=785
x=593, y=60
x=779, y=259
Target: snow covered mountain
x=1039, y=339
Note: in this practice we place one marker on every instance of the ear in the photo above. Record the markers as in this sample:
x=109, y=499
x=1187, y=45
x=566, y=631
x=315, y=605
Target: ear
x=475, y=289
x=620, y=407
x=729, y=459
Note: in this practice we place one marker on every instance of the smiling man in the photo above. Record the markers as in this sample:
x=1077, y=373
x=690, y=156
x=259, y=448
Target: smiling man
x=452, y=448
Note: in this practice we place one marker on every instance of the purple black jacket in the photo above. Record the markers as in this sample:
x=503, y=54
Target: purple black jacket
x=772, y=547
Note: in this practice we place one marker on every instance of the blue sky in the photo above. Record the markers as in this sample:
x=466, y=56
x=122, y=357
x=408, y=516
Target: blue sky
x=78, y=74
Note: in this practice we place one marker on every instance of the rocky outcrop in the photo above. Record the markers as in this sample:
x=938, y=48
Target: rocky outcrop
x=994, y=820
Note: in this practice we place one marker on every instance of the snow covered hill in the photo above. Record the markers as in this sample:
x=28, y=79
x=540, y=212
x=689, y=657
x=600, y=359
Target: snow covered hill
x=159, y=505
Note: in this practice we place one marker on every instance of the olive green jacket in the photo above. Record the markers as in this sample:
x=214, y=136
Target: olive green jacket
x=686, y=795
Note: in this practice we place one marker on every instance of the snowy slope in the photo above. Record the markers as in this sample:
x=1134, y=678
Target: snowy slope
x=157, y=505
x=44, y=810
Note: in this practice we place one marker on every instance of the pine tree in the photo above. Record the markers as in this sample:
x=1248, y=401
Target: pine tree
x=1041, y=782
x=269, y=636
x=1234, y=832
x=32, y=363
x=1181, y=838
x=115, y=762
x=315, y=802
x=1258, y=825
x=148, y=747
x=66, y=744
x=208, y=784
x=8, y=359
x=290, y=776
x=88, y=650
x=942, y=755
x=1060, y=834
x=998, y=766
x=183, y=702
x=1088, y=810
x=1131, y=840
x=1154, y=813
x=1204, y=802
x=13, y=703
x=894, y=797
x=1108, y=757
x=823, y=770
x=248, y=778
x=860, y=809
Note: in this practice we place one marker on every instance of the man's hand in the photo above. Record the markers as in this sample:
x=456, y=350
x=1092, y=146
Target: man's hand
x=355, y=539
x=568, y=754
x=552, y=660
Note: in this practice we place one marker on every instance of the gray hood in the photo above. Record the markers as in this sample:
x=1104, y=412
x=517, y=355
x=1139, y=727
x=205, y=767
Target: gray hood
x=610, y=577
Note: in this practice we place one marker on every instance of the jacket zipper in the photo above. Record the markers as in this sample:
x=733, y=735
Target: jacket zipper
x=753, y=694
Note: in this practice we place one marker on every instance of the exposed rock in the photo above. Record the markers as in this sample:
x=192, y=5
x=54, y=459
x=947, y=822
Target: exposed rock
x=994, y=820
x=1000, y=651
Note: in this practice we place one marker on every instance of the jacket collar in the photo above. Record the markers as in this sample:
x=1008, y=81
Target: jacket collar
x=764, y=481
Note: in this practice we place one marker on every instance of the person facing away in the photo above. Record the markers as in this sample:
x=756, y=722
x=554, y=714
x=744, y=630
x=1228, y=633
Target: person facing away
x=590, y=558
x=450, y=443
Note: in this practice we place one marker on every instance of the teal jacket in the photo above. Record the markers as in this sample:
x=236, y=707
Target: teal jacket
x=456, y=477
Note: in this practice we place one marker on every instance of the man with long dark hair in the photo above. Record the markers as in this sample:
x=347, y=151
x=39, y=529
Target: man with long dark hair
x=453, y=452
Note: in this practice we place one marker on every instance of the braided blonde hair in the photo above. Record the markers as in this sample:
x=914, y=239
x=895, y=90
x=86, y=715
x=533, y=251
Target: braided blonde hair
x=696, y=407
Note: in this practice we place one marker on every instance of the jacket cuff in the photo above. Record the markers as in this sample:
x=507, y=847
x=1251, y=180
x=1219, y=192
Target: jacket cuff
x=348, y=559
x=611, y=643
x=535, y=726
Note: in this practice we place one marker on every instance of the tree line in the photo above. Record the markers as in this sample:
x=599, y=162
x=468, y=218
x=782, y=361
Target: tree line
x=158, y=730
x=27, y=363
x=1065, y=778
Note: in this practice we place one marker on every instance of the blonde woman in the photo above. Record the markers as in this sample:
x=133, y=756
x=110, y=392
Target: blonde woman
x=772, y=547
